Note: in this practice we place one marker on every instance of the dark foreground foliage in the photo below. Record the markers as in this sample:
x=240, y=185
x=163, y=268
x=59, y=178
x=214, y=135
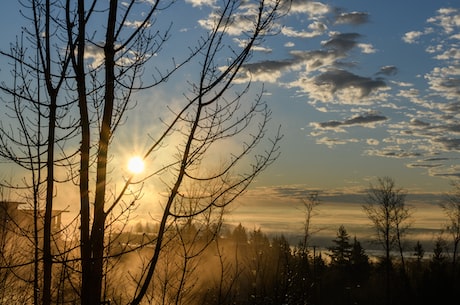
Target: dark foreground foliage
x=241, y=267
x=273, y=272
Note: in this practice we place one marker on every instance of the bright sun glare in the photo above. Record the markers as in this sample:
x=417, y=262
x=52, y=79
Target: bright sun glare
x=136, y=165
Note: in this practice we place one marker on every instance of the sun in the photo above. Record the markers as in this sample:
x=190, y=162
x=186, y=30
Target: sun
x=136, y=165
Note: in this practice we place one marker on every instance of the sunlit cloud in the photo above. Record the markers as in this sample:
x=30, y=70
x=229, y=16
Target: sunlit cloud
x=136, y=24
x=342, y=41
x=412, y=36
x=447, y=18
x=368, y=120
x=94, y=55
x=445, y=81
x=200, y=3
x=366, y=48
x=388, y=70
x=418, y=123
x=258, y=48
x=343, y=87
x=331, y=142
x=447, y=144
x=392, y=152
x=312, y=8
x=372, y=142
x=452, y=171
x=316, y=29
x=352, y=18
x=420, y=164
x=272, y=70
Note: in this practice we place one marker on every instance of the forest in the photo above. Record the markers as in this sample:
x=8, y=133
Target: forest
x=210, y=262
x=239, y=266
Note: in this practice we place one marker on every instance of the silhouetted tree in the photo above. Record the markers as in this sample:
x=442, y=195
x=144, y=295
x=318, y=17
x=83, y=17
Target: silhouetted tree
x=419, y=252
x=98, y=53
x=309, y=205
x=451, y=208
x=385, y=207
x=341, y=253
x=282, y=261
x=437, y=283
x=359, y=263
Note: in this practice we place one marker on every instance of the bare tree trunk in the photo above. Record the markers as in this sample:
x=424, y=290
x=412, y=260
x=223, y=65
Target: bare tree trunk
x=52, y=92
x=95, y=273
x=78, y=63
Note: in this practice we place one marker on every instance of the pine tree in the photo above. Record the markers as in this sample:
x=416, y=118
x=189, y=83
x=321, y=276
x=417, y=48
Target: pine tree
x=341, y=252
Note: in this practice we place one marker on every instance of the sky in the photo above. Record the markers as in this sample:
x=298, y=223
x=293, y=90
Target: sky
x=362, y=89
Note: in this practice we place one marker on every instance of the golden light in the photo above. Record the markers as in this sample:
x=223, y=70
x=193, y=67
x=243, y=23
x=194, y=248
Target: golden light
x=136, y=165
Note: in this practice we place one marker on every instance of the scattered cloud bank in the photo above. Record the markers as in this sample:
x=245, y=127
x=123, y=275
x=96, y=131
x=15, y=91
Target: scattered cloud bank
x=417, y=119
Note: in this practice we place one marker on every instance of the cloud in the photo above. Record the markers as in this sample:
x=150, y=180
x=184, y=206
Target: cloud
x=435, y=159
x=447, y=144
x=418, y=123
x=447, y=18
x=237, y=25
x=271, y=70
x=312, y=8
x=268, y=71
x=452, y=53
x=412, y=36
x=445, y=81
x=337, y=80
x=341, y=87
x=331, y=142
x=258, y=48
x=419, y=164
x=448, y=172
x=390, y=152
x=342, y=41
x=200, y=3
x=388, y=70
x=354, y=18
x=366, y=48
x=368, y=120
x=373, y=142
x=315, y=29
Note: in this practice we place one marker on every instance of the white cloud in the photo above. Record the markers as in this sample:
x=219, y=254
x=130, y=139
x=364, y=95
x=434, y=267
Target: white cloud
x=311, y=8
x=447, y=18
x=367, y=48
x=199, y=3
x=259, y=48
x=452, y=53
x=291, y=32
x=411, y=37
x=373, y=142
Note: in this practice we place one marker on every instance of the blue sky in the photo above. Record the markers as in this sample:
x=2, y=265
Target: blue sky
x=361, y=89
x=382, y=100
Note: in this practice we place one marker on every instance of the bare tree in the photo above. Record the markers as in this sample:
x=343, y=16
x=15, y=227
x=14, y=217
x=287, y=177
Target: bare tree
x=39, y=128
x=451, y=208
x=309, y=204
x=388, y=212
x=101, y=68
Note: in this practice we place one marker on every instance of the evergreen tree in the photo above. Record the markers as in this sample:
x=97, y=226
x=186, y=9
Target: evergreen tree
x=419, y=252
x=359, y=263
x=341, y=252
